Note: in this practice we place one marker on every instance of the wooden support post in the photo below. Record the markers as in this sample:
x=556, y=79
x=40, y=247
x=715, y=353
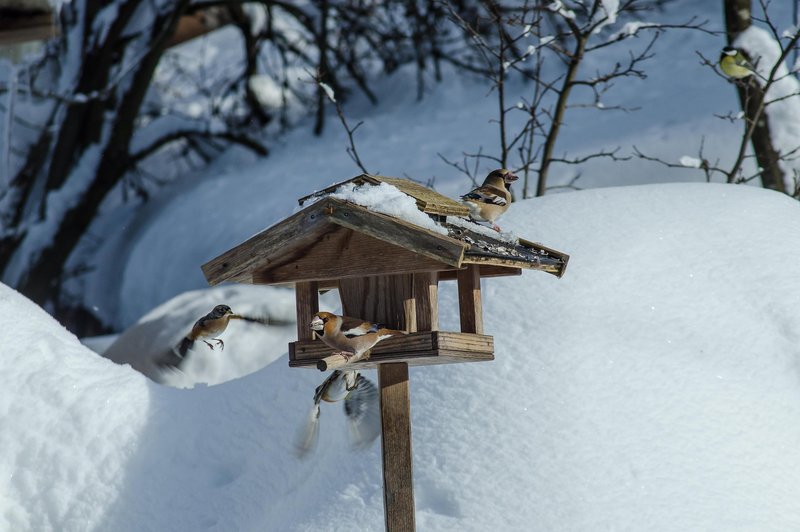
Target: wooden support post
x=426, y=297
x=398, y=484
x=469, y=299
x=307, y=298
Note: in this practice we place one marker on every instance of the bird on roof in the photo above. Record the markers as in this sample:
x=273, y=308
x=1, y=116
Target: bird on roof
x=734, y=63
x=360, y=398
x=208, y=327
x=351, y=337
x=490, y=200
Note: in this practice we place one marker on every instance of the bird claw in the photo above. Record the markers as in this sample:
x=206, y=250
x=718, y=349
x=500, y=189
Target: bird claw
x=220, y=343
x=210, y=346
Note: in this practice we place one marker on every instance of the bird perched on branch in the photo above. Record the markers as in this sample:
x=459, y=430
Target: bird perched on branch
x=351, y=337
x=360, y=406
x=735, y=64
x=490, y=200
x=209, y=326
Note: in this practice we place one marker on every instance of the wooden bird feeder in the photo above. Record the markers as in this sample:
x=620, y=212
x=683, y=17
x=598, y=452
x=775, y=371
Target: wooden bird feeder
x=386, y=270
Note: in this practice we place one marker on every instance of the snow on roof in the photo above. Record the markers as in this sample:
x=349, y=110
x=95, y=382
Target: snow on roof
x=387, y=199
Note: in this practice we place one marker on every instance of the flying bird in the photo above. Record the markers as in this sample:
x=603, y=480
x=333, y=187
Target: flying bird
x=360, y=398
x=208, y=327
x=351, y=337
x=734, y=63
x=490, y=200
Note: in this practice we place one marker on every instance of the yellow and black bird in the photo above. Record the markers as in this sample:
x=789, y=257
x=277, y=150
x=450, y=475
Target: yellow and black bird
x=735, y=64
x=208, y=327
x=361, y=403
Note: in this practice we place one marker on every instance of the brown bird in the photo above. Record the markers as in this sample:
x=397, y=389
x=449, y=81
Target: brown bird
x=209, y=326
x=351, y=337
x=360, y=406
x=490, y=200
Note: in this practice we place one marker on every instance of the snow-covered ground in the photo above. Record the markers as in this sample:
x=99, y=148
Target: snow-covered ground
x=656, y=386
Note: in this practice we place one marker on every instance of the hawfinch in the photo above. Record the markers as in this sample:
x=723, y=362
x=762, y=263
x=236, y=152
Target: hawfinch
x=490, y=200
x=360, y=406
x=351, y=337
x=209, y=326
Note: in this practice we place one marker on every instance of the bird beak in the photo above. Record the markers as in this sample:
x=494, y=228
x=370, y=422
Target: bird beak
x=317, y=324
x=510, y=177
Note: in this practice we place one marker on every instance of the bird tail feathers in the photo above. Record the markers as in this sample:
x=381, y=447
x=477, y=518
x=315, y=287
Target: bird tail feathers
x=308, y=435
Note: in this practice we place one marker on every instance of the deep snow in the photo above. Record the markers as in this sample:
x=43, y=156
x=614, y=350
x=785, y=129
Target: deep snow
x=655, y=387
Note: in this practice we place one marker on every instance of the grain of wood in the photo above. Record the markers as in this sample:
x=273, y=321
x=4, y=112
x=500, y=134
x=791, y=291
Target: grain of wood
x=398, y=482
x=307, y=304
x=469, y=299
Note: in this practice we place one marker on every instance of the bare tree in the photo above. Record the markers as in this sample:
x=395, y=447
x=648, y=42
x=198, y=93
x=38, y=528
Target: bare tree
x=561, y=35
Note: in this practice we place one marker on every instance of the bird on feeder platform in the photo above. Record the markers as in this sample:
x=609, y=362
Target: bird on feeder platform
x=734, y=63
x=209, y=326
x=360, y=398
x=351, y=337
x=490, y=200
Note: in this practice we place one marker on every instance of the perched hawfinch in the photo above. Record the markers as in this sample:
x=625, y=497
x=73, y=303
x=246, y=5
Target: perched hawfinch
x=490, y=200
x=209, y=326
x=360, y=406
x=351, y=337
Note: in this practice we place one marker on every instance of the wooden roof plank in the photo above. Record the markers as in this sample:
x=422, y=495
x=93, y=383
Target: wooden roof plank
x=239, y=263
x=399, y=232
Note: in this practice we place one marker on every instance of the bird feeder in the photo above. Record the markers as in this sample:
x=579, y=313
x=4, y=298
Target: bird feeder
x=386, y=270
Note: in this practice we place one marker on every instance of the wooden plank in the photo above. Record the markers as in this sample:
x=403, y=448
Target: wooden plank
x=398, y=482
x=563, y=257
x=287, y=239
x=487, y=270
x=428, y=200
x=33, y=27
x=398, y=232
x=307, y=299
x=343, y=253
x=469, y=299
x=426, y=296
x=386, y=299
x=415, y=349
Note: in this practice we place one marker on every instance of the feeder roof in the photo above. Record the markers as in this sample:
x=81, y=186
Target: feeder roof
x=334, y=239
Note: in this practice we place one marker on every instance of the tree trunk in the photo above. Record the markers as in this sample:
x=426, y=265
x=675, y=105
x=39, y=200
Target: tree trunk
x=751, y=96
x=104, y=73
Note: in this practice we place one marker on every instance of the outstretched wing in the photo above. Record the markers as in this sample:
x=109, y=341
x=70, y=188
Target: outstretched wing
x=308, y=436
x=175, y=356
x=363, y=413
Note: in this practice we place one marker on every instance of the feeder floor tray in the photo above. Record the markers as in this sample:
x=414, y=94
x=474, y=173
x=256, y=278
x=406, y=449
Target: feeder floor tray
x=415, y=349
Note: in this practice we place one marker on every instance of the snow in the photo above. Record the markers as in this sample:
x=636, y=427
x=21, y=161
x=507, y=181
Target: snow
x=691, y=162
x=783, y=104
x=386, y=199
x=653, y=387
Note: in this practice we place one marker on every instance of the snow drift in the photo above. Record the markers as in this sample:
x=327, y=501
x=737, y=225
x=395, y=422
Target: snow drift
x=655, y=387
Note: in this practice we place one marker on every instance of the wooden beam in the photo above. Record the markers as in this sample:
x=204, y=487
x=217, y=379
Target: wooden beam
x=398, y=483
x=415, y=349
x=238, y=264
x=307, y=298
x=487, y=270
x=386, y=299
x=469, y=299
x=343, y=253
x=426, y=299
x=399, y=232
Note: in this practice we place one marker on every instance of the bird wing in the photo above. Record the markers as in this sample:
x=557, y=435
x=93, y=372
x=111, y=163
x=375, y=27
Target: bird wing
x=324, y=386
x=175, y=356
x=308, y=435
x=363, y=413
x=352, y=327
x=486, y=195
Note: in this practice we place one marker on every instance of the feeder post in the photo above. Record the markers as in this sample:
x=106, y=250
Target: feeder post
x=389, y=299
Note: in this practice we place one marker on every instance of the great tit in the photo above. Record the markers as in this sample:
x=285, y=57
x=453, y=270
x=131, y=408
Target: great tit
x=734, y=63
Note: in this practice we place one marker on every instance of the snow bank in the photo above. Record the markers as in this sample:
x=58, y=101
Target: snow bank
x=655, y=387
